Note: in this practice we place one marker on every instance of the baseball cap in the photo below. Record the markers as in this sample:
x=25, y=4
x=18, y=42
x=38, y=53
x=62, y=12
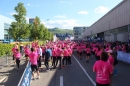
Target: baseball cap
x=109, y=51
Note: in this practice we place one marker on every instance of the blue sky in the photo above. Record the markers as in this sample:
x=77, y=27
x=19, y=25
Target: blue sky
x=61, y=13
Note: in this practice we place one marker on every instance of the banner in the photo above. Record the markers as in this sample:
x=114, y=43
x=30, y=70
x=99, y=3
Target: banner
x=26, y=77
x=122, y=56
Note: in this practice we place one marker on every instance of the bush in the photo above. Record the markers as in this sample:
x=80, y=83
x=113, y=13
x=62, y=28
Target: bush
x=5, y=49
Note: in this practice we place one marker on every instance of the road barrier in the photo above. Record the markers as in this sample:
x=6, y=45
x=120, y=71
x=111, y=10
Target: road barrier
x=26, y=77
x=122, y=56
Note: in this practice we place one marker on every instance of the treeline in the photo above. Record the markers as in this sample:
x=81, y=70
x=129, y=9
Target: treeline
x=61, y=31
x=20, y=29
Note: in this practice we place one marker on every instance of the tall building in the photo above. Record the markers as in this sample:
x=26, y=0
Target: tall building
x=4, y=27
x=114, y=26
x=31, y=20
x=78, y=32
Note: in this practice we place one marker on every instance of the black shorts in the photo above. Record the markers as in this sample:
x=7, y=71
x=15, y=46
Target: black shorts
x=97, y=84
x=13, y=57
x=93, y=52
x=26, y=55
x=34, y=68
x=80, y=53
x=88, y=54
x=43, y=55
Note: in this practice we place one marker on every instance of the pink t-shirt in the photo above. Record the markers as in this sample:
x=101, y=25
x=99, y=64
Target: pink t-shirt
x=43, y=49
x=70, y=51
x=103, y=71
x=17, y=55
x=27, y=51
x=79, y=48
x=99, y=53
x=88, y=50
x=13, y=50
x=33, y=58
x=54, y=53
x=59, y=51
x=65, y=52
x=111, y=60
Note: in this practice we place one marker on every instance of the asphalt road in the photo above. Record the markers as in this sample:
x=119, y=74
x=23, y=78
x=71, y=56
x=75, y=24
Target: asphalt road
x=76, y=75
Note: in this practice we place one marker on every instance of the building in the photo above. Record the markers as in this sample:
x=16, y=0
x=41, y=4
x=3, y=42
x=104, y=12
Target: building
x=78, y=32
x=114, y=26
x=4, y=27
x=31, y=20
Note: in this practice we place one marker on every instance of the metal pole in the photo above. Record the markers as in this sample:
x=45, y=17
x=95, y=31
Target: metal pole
x=7, y=60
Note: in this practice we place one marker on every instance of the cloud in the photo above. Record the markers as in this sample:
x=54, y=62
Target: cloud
x=28, y=4
x=60, y=16
x=101, y=9
x=64, y=24
x=12, y=13
x=83, y=12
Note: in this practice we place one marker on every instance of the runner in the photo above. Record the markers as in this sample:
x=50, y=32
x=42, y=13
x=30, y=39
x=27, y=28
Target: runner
x=103, y=71
x=87, y=53
x=34, y=65
x=17, y=56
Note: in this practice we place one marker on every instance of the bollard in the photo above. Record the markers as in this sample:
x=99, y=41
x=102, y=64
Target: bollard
x=7, y=60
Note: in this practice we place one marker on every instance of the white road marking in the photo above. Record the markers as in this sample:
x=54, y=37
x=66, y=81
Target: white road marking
x=1, y=80
x=85, y=72
x=61, y=80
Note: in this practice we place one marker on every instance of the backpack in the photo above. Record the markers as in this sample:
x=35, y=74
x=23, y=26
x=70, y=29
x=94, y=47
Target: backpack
x=47, y=53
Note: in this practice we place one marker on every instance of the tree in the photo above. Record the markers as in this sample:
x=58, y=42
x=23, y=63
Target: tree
x=19, y=28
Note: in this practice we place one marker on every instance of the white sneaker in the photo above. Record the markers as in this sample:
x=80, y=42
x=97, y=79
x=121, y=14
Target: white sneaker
x=33, y=78
x=38, y=77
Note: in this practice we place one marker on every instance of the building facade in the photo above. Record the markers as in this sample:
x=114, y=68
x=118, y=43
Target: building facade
x=78, y=32
x=114, y=26
x=31, y=20
x=4, y=27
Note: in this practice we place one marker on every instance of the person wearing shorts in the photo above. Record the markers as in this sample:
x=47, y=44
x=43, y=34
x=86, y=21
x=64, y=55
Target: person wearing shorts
x=34, y=65
x=88, y=50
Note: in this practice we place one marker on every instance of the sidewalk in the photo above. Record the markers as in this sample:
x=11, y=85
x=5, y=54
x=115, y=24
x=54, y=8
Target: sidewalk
x=5, y=60
x=9, y=76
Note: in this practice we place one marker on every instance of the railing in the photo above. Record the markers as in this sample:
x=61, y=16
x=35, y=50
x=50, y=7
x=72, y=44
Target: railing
x=5, y=60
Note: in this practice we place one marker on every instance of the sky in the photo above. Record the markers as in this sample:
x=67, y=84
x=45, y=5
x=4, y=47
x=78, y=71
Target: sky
x=64, y=14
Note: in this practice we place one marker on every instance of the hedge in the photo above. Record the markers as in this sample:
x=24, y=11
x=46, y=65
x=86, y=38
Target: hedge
x=5, y=49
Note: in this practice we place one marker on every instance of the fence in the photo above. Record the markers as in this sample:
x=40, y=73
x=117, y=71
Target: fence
x=5, y=60
x=122, y=56
x=26, y=77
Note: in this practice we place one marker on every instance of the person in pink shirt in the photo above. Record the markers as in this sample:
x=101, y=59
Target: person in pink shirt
x=103, y=71
x=65, y=57
x=111, y=58
x=27, y=52
x=17, y=56
x=80, y=51
x=13, y=52
x=43, y=52
x=34, y=65
x=88, y=50
x=69, y=56
x=59, y=56
x=54, y=57
x=98, y=53
x=123, y=48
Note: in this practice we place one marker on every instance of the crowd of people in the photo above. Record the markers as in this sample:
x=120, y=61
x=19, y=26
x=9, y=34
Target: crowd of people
x=60, y=52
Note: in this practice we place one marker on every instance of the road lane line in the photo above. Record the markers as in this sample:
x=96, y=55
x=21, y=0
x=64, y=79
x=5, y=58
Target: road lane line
x=61, y=80
x=85, y=72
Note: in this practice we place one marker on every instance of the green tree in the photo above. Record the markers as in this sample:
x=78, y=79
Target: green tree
x=19, y=28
